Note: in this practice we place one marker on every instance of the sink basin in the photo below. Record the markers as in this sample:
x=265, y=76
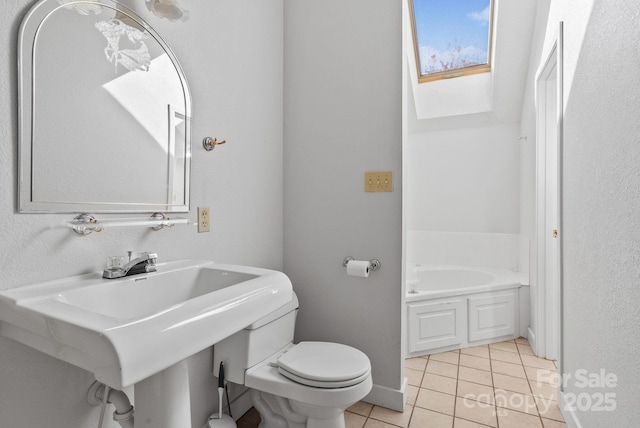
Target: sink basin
x=125, y=330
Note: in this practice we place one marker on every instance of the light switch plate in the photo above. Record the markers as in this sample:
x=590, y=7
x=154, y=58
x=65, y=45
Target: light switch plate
x=378, y=181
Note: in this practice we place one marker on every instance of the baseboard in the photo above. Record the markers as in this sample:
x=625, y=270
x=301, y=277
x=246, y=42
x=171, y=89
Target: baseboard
x=393, y=399
x=568, y=413
x=532, y=339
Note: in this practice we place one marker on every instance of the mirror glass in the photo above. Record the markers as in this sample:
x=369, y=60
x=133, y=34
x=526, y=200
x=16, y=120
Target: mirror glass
x=104, y=112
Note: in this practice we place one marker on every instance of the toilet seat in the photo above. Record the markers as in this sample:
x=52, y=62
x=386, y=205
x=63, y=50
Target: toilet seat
x=324, y=365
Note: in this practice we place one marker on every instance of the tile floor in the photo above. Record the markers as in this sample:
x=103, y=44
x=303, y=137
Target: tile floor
x=501, y=385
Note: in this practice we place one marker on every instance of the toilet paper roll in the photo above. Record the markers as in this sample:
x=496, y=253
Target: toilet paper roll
x=358, y=268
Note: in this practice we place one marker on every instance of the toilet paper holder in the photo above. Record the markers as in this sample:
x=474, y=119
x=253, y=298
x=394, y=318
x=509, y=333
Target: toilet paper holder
x=375, y=264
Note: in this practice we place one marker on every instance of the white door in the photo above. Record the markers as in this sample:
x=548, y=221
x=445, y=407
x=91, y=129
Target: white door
x=547, y=287
x=551, y=221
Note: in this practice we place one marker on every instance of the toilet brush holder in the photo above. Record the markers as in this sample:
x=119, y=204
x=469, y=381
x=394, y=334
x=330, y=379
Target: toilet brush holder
x=220, y=420
x=226, y=421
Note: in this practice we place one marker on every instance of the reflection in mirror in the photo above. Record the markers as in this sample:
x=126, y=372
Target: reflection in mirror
x=173, y=10
x=104, y=113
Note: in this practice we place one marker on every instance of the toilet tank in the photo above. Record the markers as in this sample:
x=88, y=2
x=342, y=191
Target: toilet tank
x=255, y=342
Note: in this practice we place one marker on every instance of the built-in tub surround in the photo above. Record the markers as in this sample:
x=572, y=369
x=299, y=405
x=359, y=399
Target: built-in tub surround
x=490, y=250
x=457, y=307
x=464, y=289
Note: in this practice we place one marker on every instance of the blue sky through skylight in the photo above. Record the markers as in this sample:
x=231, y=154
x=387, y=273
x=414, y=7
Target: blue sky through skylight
x=452, y=33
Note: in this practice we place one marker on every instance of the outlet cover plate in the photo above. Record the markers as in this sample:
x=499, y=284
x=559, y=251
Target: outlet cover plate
x=204, y=219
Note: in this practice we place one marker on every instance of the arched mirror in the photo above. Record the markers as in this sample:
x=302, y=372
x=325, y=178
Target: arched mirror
x=104, y=112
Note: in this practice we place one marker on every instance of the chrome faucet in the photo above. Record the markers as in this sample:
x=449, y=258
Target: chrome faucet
x=143, y=263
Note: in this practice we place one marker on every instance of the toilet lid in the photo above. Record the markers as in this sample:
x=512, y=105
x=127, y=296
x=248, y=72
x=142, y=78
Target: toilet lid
x=324, y=365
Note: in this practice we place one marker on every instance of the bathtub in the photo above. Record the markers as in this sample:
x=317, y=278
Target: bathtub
x=452, y=307
x=426, y=281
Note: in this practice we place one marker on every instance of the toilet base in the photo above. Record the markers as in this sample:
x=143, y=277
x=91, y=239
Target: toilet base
x=279, y=412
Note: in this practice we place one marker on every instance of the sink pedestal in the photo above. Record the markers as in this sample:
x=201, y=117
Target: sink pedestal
x=124, y=330
x=163, y=400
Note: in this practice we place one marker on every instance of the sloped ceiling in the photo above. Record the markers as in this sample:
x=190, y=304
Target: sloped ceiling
x=499, y=96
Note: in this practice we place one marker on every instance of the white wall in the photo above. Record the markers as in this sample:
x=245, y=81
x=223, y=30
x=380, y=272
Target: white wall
x=464, y=180
x=343, y=105
x=232, y=54
x=601, y=196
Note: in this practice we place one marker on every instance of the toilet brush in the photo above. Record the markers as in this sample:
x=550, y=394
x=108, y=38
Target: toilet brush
x=222, y=420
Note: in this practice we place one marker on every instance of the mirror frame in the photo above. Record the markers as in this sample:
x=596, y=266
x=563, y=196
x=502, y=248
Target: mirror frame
x=26, y=41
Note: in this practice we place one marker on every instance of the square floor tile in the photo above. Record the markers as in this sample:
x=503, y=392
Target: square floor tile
x=463, y=423
x=412, y=394
x=511, y=383
x=439, y=383
x=423, y=418
x=515, y=401
x=525, y=349
x=393, y=417
x=414, y=377
x=373, y=423
x=361, y=408
x=549, y=409
x=475, y=375
x=509, y=346
x=548, y=423
x=415, y=363
x=475, y=391
x=509, y=369
x=506, y=356
x=436, y=401
x=442, y=369
x=544, y=390
x=475, y=362
x=513, y=419
x=352, y=420
x=541, y=363
x=535, y=374
x=476, y=351
x=474, y=411
x=450, y=357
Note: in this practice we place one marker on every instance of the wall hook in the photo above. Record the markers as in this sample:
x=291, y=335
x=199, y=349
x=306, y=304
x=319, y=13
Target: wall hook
x=210, y=143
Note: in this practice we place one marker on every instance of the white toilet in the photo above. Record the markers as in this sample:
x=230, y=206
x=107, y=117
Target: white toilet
x=294, y=386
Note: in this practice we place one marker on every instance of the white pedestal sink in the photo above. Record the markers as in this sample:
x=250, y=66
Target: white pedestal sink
x=163, y=400
x=140, y=329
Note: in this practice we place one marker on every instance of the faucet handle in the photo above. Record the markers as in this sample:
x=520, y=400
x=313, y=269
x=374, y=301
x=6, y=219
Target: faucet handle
x=115, y=262
x=130, y=253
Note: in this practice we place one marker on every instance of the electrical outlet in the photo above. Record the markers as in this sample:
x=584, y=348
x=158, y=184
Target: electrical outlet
x=204, y=219
x=378, y=181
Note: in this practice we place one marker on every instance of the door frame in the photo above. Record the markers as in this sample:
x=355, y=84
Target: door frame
x=548, y=310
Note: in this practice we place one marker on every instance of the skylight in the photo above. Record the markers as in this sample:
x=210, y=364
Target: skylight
x=451, y=37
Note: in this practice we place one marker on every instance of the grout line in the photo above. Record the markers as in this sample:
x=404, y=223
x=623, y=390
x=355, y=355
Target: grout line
x=455, y=398
x=493, y=386
x=529, y=383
